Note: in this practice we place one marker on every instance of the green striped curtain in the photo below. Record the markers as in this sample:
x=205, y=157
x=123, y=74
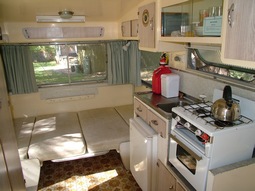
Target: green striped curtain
x=19, y=69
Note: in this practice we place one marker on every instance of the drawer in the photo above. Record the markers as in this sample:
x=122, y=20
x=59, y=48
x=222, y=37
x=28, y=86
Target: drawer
x=140, y=109
x=158, y=124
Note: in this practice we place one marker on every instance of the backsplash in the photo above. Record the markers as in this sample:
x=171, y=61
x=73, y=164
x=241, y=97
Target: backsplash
x=195, y=85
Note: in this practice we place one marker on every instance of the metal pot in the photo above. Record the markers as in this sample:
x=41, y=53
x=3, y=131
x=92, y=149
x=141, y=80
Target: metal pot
x=226, y=109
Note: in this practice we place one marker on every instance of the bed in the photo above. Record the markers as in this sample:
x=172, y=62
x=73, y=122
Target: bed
x=71, y=135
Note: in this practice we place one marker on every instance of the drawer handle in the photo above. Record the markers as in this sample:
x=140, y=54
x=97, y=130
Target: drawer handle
x=139, y=109
x=171, y=187
x=154, y=122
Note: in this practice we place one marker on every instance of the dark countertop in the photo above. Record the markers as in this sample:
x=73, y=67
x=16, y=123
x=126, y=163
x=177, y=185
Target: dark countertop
x=152, y=100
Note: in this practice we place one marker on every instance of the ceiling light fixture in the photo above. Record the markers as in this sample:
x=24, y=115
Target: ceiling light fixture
x=65, y=16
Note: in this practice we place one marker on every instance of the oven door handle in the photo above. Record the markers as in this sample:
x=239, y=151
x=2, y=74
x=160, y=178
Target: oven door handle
x=192, y=153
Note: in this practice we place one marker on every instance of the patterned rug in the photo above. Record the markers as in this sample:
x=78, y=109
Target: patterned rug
x=104, y=173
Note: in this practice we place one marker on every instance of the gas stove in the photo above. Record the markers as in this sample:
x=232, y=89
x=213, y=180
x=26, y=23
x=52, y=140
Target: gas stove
x=199, y=143
x=199, y=115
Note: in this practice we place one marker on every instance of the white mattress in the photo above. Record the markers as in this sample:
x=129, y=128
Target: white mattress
x=23, y=130
x=56, y=136
x=103, y=129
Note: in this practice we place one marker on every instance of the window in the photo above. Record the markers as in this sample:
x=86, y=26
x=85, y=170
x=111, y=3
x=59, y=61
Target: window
x=69, y=63
x=209, y=61
x=149, y=62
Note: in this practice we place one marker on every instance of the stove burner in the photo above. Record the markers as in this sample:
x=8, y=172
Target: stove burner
x=203, y=111
x=220, y=123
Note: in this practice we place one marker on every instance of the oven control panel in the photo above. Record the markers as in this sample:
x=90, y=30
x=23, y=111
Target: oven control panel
x=182, y=123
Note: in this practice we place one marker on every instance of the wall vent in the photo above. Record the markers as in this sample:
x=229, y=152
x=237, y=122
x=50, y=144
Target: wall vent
x=62, y=32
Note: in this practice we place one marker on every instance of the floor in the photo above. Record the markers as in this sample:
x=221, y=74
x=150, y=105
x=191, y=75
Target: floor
x=104, y=173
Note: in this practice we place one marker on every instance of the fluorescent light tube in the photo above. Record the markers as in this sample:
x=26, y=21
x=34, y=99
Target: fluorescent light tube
x=58, y=19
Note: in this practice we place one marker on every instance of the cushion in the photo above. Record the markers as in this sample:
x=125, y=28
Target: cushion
x=56, y=136
x=23, y=129
x=126, y=112
x=103, y=129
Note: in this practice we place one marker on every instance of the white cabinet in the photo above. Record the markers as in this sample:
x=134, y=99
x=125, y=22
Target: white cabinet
x=157, y=122
x=151, y=118
x=192, y=8
x=146, y=19
x=239, y=33
x=134, y=28
x=129, y=29
x=126, y=28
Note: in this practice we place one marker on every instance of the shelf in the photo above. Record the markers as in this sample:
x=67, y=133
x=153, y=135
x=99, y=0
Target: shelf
x=204, y=40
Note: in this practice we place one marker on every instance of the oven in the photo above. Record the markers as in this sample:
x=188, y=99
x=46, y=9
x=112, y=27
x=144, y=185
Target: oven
x=199, y=143
x=187, y=154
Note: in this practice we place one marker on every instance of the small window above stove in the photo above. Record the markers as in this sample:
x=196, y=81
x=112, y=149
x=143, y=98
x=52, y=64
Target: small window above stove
x=208, y=61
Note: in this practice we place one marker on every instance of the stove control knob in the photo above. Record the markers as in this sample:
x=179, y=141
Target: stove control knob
x=198, y=132
x=177, y=118
x=187, y=125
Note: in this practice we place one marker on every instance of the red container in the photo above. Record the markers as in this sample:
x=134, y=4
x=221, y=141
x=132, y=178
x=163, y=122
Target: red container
x=156, y=78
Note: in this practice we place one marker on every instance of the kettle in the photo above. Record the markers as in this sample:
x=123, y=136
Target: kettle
x=226, y=109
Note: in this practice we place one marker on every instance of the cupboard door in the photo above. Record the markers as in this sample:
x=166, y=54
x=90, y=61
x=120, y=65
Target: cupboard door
x=239, y=33
x=126, y=29
x=165, y=180
x=134, y=28
x=179, y=187
x=158, y=124
x=140, y=109
x=147, y=25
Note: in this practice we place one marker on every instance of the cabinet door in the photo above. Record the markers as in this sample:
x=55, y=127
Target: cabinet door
x=179, y=187
x=134, y=28
x=165, y=180
x=140, y=109
x=158, y=124
x=126, y=29
x=147, y=25
x=239, y=33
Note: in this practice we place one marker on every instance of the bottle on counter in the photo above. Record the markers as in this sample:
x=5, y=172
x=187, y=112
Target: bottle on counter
x=162, y=69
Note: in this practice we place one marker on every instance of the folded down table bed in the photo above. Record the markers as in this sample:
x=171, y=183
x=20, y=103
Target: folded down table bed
x=78, y=134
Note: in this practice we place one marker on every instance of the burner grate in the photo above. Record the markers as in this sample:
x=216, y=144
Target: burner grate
x=203, y=111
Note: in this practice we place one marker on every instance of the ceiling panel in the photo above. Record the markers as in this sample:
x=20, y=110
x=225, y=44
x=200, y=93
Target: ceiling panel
x=94, y=10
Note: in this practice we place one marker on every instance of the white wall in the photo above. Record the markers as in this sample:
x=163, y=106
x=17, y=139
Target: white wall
x=105, y=96
x=196, y=85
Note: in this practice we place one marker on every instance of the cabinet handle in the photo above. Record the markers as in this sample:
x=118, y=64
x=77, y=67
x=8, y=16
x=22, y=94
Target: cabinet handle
x=154, y=122
x=151, y=23
x=139, y=109
x=171, y=187
x=230, y=19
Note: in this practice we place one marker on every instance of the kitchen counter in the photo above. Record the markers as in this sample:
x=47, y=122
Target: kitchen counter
x=153, y=100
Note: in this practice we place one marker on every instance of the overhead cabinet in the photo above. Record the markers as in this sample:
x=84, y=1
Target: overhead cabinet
x=146, y=17
x=191, y=21
x=239, y=33
x=129, y=28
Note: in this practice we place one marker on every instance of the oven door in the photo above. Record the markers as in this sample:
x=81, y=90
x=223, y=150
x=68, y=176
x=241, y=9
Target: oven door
x=188, y=160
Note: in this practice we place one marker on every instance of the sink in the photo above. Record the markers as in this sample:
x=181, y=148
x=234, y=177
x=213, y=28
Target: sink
x=167, y=107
